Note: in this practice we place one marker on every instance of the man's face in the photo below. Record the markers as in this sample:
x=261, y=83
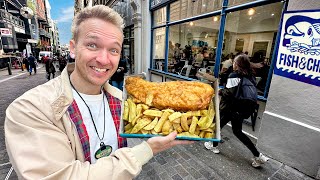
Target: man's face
x=97, y=51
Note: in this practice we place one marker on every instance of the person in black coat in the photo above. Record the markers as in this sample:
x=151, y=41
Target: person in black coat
x=118, y=76
x=50, y=69
x=231, y=109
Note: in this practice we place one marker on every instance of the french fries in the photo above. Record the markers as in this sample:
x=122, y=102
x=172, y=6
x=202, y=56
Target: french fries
x=144, y=119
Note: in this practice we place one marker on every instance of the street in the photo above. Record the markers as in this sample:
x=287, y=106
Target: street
x=182, y=162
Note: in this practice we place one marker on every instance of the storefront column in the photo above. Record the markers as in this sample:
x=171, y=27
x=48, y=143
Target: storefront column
x=136, y=18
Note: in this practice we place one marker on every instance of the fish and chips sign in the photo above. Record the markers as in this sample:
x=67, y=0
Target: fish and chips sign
x=298, y=55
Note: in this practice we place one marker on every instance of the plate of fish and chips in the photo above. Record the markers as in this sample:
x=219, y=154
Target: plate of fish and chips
x=159, y=108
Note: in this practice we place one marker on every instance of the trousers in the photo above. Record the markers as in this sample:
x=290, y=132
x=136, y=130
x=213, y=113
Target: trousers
x=236, y=123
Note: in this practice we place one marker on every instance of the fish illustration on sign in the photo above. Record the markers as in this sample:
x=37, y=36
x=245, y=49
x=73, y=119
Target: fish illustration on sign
x=302, y=34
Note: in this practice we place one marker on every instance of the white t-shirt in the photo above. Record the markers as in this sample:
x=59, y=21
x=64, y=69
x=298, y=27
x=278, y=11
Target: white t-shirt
x=95, y=104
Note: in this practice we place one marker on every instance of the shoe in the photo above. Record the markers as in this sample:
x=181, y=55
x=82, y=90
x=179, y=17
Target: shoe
x=258, y=161
x=212, y=148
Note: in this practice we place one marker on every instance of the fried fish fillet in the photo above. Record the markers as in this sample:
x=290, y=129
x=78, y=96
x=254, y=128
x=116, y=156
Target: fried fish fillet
x=177, y=95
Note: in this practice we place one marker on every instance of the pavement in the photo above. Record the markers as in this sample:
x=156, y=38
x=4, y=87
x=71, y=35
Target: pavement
x=185, y=162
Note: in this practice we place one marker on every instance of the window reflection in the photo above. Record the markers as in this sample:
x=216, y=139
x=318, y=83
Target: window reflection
x=237, y=2
x=159, y=16
x=158, y=48
x=188, y=8
x=253, y=32
x=192, y=47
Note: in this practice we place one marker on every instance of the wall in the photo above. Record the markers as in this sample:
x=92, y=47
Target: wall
x=290, y=130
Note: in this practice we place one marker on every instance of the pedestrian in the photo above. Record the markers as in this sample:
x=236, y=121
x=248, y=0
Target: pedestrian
x=32, y=64
x=62, y=63
x=232, y=109
x=50, y=69
x=26, y=63
x=45, y=58
x=72, y=132
x=118, y=77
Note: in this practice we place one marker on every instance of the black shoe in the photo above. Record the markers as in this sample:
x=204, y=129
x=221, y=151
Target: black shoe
x=30, y=73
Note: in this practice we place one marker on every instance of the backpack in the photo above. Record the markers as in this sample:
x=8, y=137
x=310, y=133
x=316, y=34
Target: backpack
x=245, y=98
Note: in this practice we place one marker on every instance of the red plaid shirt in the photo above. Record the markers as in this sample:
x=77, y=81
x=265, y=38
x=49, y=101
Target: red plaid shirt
x=75, y=115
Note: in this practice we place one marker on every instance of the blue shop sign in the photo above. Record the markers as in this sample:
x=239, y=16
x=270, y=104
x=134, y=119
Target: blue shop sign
x=298, y=55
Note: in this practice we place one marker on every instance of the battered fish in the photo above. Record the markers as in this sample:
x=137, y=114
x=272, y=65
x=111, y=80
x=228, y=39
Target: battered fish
x=176, y=95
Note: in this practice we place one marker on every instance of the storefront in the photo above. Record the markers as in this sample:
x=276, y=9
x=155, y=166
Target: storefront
x=186, y=36
x=192, y=35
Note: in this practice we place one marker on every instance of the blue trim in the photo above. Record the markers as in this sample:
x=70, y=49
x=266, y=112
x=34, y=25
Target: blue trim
x=167, y=40
x=151, y=39
x=159, y=6
x=202, y=16
x=274, y=54
x=160, y=26
x=220, y=39
x=178, y=137
x=249, y=5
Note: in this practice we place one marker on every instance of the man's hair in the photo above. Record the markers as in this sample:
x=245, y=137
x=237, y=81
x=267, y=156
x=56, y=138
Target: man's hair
x=99, y=11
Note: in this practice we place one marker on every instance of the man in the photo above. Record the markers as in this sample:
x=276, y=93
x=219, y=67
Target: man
x=32, y=63
x=70, y=132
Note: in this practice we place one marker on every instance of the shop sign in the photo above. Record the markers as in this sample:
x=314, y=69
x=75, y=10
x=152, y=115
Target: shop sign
x=6, y=32
x=156, y=3
x=298, y=51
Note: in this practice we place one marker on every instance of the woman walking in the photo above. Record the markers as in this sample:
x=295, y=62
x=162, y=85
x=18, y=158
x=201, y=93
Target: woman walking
x=232, y=109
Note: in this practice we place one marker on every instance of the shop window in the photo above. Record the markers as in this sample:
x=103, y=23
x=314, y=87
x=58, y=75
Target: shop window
x=253, y=32
x=160, y=16
x=192, y=47
x=158, y=53
x=238, y=2
x=188, y=8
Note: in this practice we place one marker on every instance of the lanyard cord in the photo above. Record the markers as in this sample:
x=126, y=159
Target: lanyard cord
x=104, y=113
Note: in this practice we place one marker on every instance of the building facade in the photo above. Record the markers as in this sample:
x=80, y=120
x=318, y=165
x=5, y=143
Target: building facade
x=174, y=39
x=25, y=26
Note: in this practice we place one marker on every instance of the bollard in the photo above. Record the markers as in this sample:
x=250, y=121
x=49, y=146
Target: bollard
x=9, y=69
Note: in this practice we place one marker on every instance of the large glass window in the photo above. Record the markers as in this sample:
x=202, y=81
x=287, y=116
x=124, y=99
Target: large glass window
x=158, y=54
x=238, y=2
x=192, y=46
x=188, y=8
x=252, y=31
x=160, y=16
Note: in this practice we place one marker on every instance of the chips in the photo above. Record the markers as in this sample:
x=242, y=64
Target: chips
x=144, y=119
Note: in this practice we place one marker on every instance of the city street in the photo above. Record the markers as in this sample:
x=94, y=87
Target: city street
x=182, y=162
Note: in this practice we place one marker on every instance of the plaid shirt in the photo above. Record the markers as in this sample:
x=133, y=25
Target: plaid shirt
x=75, y=115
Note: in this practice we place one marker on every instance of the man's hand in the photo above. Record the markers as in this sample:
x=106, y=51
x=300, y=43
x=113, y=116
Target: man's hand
x=160, y=143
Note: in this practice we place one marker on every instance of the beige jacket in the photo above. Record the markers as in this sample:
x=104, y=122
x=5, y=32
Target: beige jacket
x=43, y=143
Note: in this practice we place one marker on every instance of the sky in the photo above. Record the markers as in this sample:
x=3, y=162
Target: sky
x=62, y=11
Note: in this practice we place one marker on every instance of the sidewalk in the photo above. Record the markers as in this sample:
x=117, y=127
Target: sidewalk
x=195, y=162
x=4, y=74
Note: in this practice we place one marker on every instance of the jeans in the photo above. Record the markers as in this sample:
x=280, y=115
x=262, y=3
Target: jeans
x=236, y=123
x=34, y=67
x=117, y=84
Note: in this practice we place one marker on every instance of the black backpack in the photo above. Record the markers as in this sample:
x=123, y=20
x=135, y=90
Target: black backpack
x=245, y=101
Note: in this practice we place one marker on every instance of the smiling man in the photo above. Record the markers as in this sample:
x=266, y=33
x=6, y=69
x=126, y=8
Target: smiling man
x=68, y=127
